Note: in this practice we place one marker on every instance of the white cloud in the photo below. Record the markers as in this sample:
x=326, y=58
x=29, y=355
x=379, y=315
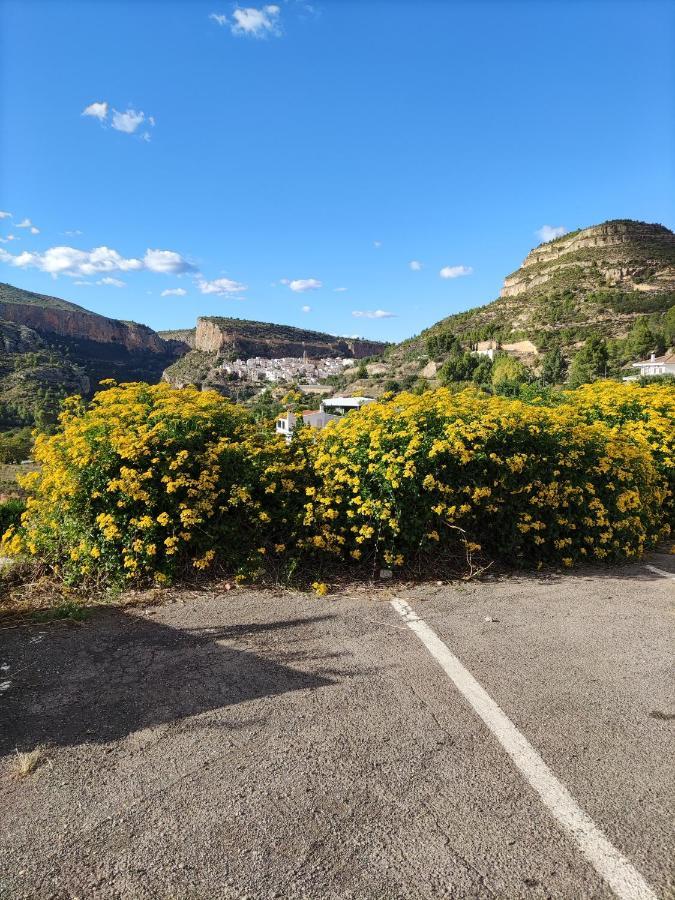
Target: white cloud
x=300, y=285
x=70, y=261
x=26, y=223
x=377, y=244
x=97, y=111
x=340, y=290
x=112, y=282
x=74, y=233
x=34, y=230
x=167, y=262
x=373, y=314
x=128, y=121
x=415, y=265
x=220, y=286
x=174, y=292
x=258, y=23
x=455, y=271
x=218, y=18
x=10, y=237
x=549, y=232
x=82, y=283
x=306, y=309
x=5, y=215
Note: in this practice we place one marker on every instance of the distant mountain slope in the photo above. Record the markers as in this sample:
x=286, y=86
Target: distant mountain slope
x=217, y=338
x=600, y=278
x=51, y=348
x=102, y=347
x=246, y=338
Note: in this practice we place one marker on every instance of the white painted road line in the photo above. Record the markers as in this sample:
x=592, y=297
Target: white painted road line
x=662, y=572
x=622, y=877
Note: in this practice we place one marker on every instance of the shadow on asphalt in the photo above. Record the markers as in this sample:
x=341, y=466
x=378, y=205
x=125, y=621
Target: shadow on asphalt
x=119, y=673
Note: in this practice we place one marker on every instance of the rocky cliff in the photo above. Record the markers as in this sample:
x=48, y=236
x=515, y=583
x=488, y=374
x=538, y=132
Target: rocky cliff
x=619, y=254
x=83, y=325
x=102, y=347
x=600, y=278
x=184, y=336
x=244, y=339
x=217, y=339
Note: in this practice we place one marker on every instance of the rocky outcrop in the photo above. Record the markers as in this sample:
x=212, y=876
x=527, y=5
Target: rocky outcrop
x=621, y=253
x=99, y=346
x=185, y=336
x=19, y=339
x=245, y=339
x=83, y=325
x=595, y=280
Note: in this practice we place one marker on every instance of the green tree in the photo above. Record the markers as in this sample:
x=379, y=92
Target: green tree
x=669, y=327
x=590, y=362
x=554, y=366
x=265, y=407
x=421, y=385
x=442, y=342
x=482, y=374
x=506, y=370
x=458, y=367
x=641, y=341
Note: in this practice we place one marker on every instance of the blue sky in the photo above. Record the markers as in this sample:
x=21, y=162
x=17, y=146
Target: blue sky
x=293, y=160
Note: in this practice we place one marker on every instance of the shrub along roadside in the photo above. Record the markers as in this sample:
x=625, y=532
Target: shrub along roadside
x=146, y=482
x=524, y=484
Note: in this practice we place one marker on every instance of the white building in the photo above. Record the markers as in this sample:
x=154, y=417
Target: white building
x=338, y=406
x=286, y=369
x=656, y=365
x=485, y=348
x=331, y=409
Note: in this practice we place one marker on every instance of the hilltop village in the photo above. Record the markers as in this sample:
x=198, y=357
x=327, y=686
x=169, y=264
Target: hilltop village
x=286, y=368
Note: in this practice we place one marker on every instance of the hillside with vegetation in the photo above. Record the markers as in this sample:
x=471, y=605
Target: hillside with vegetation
x=217, y=339
x=51, y=348
x=598, y=278
x=604, y=295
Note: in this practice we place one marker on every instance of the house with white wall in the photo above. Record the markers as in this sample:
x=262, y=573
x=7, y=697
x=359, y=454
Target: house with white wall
x=655, y=365
x=331, y=409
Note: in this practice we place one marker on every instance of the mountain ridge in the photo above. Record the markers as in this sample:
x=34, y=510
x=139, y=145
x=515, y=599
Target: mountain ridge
x=605, y=275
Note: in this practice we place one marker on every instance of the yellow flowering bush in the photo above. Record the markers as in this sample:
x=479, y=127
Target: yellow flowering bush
x=147, y=479
x=645, y=414
x=442, y=473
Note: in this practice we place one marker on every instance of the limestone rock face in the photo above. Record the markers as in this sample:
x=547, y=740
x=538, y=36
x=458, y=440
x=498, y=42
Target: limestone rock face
x=100, y=346
x=621, y=254
x=84, y=325
x=245, y=339
x=596, y=280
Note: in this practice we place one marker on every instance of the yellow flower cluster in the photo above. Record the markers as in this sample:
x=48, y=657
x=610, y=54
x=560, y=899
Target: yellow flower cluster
x=646, y=415
x=146, y=480
x=446, y=473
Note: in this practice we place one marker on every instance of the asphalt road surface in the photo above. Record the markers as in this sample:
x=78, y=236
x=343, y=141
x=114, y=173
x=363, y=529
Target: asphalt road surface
x=509, y=738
